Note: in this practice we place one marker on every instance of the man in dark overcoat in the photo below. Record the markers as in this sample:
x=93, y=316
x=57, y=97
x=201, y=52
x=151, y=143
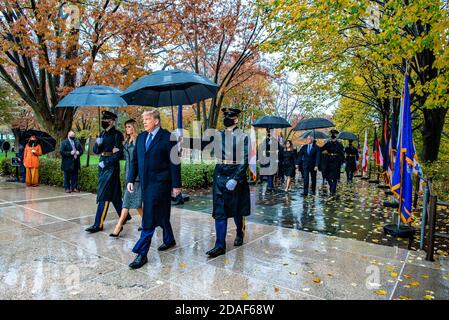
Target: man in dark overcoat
x=71, y=150
x=156, y=162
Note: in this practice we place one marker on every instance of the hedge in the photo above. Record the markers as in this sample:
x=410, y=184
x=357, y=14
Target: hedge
x=194, y=175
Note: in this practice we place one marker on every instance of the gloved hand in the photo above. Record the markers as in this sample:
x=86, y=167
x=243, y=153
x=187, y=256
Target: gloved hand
x=99, y=141
x=231, y=184
x=72, y=152
x=101, y=165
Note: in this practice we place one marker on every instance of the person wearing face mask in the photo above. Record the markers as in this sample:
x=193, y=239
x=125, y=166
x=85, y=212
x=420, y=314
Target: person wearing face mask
x=71, y=151
x=231, y=197
x=334, y=156
x=31, y=156
x=109, y=189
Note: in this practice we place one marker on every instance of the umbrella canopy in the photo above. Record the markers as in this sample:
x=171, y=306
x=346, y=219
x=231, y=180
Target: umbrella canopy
x=313, y=123
x=47, y=142
x=314, y=134
x=345, y=135
x=169, y=88
x=93, y=96
x=271, y=122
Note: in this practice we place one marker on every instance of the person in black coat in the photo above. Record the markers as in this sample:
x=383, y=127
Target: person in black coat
x=309, y=158
x=109, y=187
x=351, y=161
x=71, y=151
x=333, y=153
x=156, y=162
x=289, y=164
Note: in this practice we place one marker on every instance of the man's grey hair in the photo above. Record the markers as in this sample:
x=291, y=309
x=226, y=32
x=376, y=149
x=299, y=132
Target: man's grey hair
x=154, y=113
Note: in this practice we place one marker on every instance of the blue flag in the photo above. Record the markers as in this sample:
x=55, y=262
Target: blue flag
x=405, y=158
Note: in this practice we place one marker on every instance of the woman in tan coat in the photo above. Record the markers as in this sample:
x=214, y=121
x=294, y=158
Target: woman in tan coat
x=31, y=156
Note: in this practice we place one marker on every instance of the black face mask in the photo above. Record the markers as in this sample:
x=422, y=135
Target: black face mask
x=32, y=143
x=72, y=138
x=333, y=136
x=104, y=124
x=228, y=122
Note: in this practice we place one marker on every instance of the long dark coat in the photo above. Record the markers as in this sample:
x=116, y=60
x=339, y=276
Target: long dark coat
x=158, y=175
x=227, y=204
x=351, y=157
x=333, y=156
x=68, y=162
x=109, y=188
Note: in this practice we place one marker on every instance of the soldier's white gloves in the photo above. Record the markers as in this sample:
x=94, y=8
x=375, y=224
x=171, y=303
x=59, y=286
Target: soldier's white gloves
x=231, y=184
x=101, y=165
x=99, y=141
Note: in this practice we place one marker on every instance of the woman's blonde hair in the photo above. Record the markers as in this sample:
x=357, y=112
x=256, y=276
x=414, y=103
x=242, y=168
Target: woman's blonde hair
x=131, y=138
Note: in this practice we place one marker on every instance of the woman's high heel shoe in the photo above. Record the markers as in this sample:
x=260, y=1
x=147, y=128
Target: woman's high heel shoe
x=116, y=235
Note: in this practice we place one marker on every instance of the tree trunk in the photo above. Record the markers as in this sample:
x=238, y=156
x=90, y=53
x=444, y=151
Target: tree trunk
x=432, y=129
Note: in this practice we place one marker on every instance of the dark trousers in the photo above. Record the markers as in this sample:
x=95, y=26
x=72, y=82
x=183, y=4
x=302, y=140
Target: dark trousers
x=71, y=180
x=312, y=174
x=143, y=244
x=221, y=227
x=102, y=211
x=333, y=185
x=349, y=175
x=270, y=180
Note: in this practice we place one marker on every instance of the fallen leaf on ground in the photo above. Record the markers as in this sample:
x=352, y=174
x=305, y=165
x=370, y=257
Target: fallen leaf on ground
x=244, y=296
x=428, y=297
x=381, y=292
x=316, y=280
x=414, y=284
x=182, y=265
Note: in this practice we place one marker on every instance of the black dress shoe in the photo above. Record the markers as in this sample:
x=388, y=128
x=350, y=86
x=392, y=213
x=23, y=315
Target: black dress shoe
x=128, y=217
x=116, y=235
x=93, y=229
x=164, y=246
x=138, y=262
x=215, y=252
x=238, y=241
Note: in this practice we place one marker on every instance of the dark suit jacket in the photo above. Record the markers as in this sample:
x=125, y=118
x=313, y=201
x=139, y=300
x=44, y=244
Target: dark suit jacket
x=68, y=162
x=307, y=160
x=158, y=175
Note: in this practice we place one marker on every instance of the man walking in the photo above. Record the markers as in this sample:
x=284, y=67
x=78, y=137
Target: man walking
x=71, y=151
x=156, y=162
x=309, y=160
x=109, y=188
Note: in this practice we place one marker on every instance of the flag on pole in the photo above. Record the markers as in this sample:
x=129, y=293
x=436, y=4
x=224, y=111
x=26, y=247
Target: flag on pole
x=179, y=129
x=377, y=152
x=405, y=159
x=365, y=156
x=253, y=151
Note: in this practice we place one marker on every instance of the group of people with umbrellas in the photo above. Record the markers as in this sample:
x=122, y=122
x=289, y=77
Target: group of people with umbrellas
x=311, y=158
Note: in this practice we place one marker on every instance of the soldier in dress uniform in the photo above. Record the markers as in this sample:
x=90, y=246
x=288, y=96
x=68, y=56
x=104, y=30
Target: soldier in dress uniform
x=231, y=198
x=109, y=187
x=333, y=156
x=351, y=157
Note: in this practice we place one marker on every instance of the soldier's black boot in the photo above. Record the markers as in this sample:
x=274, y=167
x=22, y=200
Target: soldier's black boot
x=93, y=229
x=215, y=252
x=238, y=241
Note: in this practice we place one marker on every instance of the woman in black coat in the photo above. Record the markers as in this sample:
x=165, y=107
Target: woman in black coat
x=289, y=164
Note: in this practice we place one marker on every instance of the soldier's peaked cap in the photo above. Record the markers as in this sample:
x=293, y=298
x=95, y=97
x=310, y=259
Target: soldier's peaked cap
x=107, y=115
x=333, y=131
x=231, y=112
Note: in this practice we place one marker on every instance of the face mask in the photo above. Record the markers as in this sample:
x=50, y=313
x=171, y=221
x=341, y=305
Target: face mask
x=228, y=122
x=104, y=124
x=32, y=143
x=72, y=138
x=333, y=136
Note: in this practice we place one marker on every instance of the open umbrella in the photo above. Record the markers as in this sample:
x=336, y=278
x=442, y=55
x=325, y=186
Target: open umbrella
x=314, y=134
x=345, y=135
x=271, y=122
x=313, y=123
x=47, y=142
x=93, y=96
x=169, y=88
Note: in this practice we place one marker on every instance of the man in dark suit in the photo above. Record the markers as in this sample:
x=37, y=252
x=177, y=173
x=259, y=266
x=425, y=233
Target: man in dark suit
x=71, y=151
x=156, y=162
x=309, y=160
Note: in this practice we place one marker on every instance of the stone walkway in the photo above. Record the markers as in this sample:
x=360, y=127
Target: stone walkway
x=46, y=254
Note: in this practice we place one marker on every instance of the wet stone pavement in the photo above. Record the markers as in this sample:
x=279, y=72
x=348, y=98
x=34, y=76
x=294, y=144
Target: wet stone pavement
x=294, y=249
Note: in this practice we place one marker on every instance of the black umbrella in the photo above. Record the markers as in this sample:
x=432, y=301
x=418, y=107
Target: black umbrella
x=271, y=122
x=314, y=134
x=169, y=88
x=93, y=96
x=313, y=123
x=345, y=135
x=47, y=142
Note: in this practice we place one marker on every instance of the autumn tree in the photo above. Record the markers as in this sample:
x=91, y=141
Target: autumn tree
x=333, y=38
x=49, y=47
